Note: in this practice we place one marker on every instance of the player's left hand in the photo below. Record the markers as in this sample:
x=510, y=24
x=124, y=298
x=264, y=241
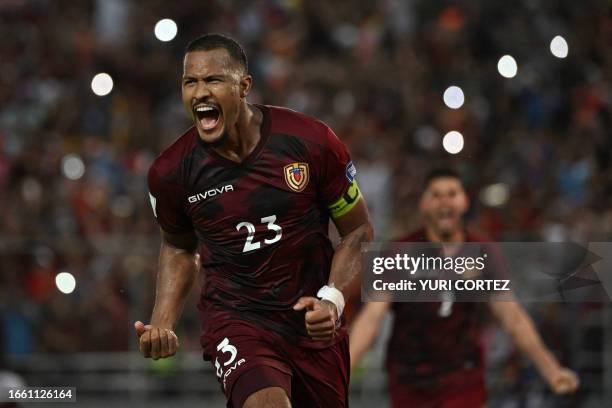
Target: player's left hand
x=321, y=317
x=563, y=381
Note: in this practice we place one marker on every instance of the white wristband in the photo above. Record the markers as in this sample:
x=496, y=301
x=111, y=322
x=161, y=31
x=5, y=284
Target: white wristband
x=333, y=295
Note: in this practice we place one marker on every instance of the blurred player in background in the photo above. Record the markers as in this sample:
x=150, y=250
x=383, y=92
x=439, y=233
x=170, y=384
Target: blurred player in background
x=434, y=356
x=250, y=189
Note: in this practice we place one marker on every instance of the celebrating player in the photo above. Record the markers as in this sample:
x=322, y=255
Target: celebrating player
x=434, y=356
x=248, y=192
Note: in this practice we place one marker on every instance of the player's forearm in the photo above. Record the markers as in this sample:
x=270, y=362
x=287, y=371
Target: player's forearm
x=528, y=341
x=362, y=336
x=346, y=264
x=359, y=345
x=177, y=272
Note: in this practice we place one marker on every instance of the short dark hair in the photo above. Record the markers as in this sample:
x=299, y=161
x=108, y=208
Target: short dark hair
x=215, y=41
x=440, y=172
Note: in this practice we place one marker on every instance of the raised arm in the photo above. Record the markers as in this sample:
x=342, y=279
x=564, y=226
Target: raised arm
x=178, y=267
x=519, y=325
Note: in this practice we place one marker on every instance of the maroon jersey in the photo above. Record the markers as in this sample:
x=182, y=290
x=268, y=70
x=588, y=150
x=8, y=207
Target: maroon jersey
x=261, y=224
x=432, y=341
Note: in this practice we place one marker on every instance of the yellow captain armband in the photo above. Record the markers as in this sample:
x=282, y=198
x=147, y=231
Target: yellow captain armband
x=346, y=203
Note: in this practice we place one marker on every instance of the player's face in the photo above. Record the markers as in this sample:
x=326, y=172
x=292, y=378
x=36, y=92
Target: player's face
x=443, y=204
x=213, y=88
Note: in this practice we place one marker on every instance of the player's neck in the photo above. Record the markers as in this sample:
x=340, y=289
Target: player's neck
x=244, y=136
x=456, y=236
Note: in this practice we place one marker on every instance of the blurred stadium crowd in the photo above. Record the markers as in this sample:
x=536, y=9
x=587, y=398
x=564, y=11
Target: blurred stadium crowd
x=73, y=193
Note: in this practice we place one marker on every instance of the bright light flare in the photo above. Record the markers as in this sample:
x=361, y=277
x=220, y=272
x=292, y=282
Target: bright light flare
x=65, y=282
x=453, y=142
x=495, y=195
x=102, y=84
x=73, y=167
x=507, y=66
x=559, y=47
x=165, y=30
x=453, y=97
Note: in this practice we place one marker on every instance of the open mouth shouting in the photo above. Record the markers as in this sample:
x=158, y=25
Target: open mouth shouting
x=445, y=217
x=207, y=115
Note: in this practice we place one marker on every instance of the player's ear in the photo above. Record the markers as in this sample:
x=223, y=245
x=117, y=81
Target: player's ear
x=245, y=85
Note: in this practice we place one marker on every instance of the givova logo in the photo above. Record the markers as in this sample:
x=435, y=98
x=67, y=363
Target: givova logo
x=210, y=193
x=224, y=347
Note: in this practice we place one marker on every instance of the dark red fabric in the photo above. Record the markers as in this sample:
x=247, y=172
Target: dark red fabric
x=427, y=350
x=256, y=358
x=256, y=379
x=194, y=188
x=470, y=394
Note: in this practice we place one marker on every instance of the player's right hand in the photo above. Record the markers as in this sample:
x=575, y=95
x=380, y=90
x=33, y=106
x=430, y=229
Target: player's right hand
x=156, y=342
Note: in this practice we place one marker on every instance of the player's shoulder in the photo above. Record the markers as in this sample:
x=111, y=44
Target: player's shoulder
x=476, y=236
x=293, y=123
x=170, y=159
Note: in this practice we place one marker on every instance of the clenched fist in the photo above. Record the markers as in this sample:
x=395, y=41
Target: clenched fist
x=156, y=342
x=321, y=317
x=563, y=381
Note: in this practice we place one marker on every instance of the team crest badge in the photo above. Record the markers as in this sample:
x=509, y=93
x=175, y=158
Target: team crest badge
x=296, y=176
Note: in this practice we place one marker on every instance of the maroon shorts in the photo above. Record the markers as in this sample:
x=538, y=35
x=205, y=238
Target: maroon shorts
x=461, y=389
x=247, y=359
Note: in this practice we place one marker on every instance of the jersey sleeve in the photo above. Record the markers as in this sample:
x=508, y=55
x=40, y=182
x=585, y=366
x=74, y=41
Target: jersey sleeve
x=167, y=206
x=337, y=184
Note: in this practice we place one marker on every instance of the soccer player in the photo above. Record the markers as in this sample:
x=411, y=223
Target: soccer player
x=248, y=192
x=434, y=356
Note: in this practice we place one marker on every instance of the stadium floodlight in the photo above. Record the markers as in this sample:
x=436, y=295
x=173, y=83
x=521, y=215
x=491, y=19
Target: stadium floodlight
x=453, y=97
x=559, y=47
x=507, y=66
x=73, y=167
x=102, y=84
x=165, y=30
x=65, y=282
x=495, y=195
x=453, y=142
